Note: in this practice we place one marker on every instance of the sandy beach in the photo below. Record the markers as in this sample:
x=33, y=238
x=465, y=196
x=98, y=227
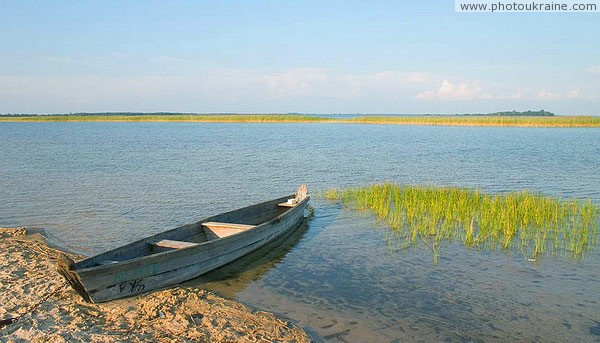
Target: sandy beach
x=37, y=305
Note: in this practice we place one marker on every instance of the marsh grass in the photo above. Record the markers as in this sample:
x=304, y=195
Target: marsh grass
x=530, y=223
x=234, y=118
x=554, y=121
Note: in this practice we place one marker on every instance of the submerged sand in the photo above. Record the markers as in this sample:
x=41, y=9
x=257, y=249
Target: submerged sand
x=46, y=309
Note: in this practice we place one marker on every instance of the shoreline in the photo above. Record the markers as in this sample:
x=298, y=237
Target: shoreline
x=44, y=308
x=496, y=121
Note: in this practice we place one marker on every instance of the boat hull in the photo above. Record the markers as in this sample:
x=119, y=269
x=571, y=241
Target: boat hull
x=130, y=277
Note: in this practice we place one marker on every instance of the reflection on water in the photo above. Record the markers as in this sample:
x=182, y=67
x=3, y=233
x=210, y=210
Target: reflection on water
x=360, y=291
x=233, y=278
x=95, y=186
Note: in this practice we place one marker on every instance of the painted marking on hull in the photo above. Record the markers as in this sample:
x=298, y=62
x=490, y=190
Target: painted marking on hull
x=135, y=286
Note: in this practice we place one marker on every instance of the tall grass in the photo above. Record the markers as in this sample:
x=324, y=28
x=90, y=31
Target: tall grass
x=246, y=118
x=554, y=121
x=531, y=223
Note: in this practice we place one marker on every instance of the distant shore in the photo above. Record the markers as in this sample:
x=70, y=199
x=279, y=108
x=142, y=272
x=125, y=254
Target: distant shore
x=37, y=305
x=518, y=121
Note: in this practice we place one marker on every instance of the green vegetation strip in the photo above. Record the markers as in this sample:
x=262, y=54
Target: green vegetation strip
x=533, y=224
x=248, y=118
x=530, y=121
x=554, y=121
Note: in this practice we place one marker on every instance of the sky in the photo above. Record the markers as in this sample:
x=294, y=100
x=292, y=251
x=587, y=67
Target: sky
x=404, y=57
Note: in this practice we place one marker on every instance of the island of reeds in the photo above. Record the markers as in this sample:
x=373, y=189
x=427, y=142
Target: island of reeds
x=527, y=119
x=531, y=224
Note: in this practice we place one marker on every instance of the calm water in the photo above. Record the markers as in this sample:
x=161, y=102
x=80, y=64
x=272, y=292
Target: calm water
x=95, y=186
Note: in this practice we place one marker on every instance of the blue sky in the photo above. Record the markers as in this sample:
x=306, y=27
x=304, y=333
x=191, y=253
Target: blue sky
x=293, y=56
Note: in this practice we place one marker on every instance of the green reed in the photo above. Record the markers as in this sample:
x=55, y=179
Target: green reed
x=528, y=121
x=193, y=118
x=531, y=223
x=554, y=121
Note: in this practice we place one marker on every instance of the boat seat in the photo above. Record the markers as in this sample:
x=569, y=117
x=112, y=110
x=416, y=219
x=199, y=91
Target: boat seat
x=293, y=201
x=211, y=225
x=226, y=229
x=287, y=204
x=167, y=243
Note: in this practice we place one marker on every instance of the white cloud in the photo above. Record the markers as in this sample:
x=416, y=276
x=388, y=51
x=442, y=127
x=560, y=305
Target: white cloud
x=518, y=95
x=545, y=95
x=202, y=90
x=297, y=82
x=390, y=77
x=56, y=94
x=248, y=90
x=569, y=95
x=474, y=91
x=573, y=94
x=387, y=82
x=324, y=82
x=454, y=92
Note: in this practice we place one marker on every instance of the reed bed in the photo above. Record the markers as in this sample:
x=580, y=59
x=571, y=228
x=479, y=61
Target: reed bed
x=530, y=223
x=534, y=121
x=247, y=118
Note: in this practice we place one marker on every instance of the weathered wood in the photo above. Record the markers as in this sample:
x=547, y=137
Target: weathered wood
x=301, y=193
x=141, y=247
x=107, y=262
x=182, y=253
x=222, y=232
x=159, y=263
x=219, y=225
x=167, y=243
x=171, y=276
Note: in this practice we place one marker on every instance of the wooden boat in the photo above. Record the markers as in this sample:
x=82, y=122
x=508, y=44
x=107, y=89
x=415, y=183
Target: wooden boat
x=185, y=252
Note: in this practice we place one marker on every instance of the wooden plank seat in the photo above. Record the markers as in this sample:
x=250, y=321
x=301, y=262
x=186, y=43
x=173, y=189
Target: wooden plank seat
x=228, y=225
x=289, y=203
x=167, y=243
x=226, y=229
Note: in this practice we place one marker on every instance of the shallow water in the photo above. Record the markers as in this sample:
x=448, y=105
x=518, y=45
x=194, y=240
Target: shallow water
x=95, y=186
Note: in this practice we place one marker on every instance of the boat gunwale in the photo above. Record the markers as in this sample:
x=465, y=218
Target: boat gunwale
x=124, y=263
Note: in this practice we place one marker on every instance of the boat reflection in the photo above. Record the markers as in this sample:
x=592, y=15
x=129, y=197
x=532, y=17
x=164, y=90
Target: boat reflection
x=234, y=277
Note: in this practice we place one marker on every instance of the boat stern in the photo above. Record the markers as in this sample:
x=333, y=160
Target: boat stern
x=66, y=268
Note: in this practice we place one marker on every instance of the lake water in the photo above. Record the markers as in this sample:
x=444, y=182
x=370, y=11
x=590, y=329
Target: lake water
x=95, y=186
